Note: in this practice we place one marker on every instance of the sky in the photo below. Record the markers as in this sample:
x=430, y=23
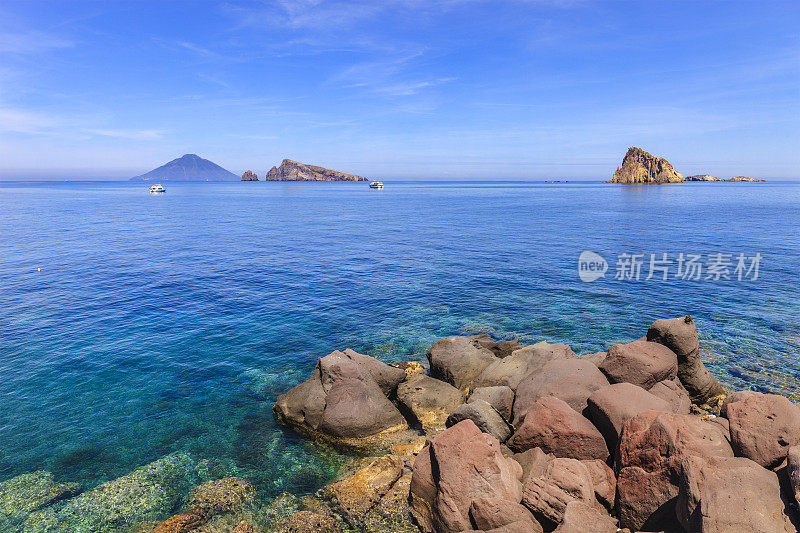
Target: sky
x=530, y=89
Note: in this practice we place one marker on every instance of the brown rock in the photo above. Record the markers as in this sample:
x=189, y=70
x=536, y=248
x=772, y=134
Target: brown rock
x=222, y=495
x=553, y=426
x=570, y=380
x=640, y=362
x=412, y=447
x=763, y=427
x=343, y=402
x=511, y=370
x=500, y=397
x=730, y=494
x=680, y=336
x=244, y=527
x=734, y=397
x=356, y=494
x=533, y=462
x=603, y=481
x=249, y=176
x=640, y=167
x=582, y=518
x=184, y=522
x=652, y=446
x=564, y=480
x=308, y=522
x=469, y=465
x=492, y=513
x=459, y=360
x=597, y=358
x=294, y=171
x=793, y=471
x=672, y=392
x=613, y=405
x=428, y=401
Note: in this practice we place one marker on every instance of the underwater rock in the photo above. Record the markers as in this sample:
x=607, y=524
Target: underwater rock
x=308, y=522
x=33, y=491
x=148, y=493
x=222, y=495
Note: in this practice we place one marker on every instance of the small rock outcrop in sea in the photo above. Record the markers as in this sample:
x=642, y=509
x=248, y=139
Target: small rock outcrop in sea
x=742, y=178
x=294, y=171
x=249, y=176
x=640, y=167
x=534, y=438
x=702, y=177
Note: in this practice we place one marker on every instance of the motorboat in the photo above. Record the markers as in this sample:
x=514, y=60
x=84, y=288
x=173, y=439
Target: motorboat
x=157, y=188
x=376, y=185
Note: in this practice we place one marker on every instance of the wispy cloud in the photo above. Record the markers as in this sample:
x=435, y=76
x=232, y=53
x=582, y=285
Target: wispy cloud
x=31, y=42
x=140, y=135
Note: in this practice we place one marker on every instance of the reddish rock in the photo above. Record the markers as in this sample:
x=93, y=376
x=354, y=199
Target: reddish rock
x=603, y=481
x=244, y=527
x=468, y=465
x=183, y=522
x=613, y=405
x=564, y=480
x=570, y=380
x=597, y=358
x=652, y=446
x=730, y=494
x=640, y=362
x=533, y=462
x=492, y=513
x=672, y=392
x=500, y=397
x=763, y=427
x=553, y=426
x=582, y=518
x=680, y=336
x=734, y=397
x=793, y=471
x=485, y=417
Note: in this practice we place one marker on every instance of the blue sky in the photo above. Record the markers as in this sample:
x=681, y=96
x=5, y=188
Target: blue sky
x=400, y=88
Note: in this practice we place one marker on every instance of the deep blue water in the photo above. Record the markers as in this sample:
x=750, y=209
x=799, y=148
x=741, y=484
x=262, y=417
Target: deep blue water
x=170, y=323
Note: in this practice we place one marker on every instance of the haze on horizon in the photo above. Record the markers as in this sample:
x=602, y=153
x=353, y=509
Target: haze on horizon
x=399, y=88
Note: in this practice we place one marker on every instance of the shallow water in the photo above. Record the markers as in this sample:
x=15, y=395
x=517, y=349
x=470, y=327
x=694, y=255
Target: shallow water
x=170, y=323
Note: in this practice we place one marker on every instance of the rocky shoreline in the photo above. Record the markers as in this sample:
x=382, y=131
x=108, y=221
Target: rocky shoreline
x=495, y=436
x=488, y=436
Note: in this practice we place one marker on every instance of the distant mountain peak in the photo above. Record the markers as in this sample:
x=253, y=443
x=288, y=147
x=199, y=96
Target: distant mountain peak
x=188, y=167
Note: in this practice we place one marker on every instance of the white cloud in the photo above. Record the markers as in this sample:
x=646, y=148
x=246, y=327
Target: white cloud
x=31, y=42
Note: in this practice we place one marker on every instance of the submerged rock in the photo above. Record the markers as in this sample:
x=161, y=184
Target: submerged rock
x=640, y=167
x=148, y=493
x=30, y=492
x=308, y=522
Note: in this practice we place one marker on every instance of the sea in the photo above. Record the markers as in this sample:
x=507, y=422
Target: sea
x=136, y=325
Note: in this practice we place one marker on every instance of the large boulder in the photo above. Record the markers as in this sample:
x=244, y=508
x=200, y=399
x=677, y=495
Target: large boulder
x=570, y=380
x=344, y=401
x=603, y=481
x=459, y=360
x=793, y=471
x=680, y=336
x=736, y=396
x=613, y=405
x=639, y=362
x=730, y=494
x=428, y=401
x=553, y=426
x=484, y=416
x=500, y=397
x=582, y=518
x=523, y=361
x=563, y=481
x=491, y=513
x=652, y=446
x=460, y=465
x=763, y=427
x=533, y=463
x=672, y=392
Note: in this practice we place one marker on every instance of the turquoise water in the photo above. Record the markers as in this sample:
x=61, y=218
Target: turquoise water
x=133, y=326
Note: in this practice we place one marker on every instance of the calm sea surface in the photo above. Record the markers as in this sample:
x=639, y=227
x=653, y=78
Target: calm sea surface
x=134, y=325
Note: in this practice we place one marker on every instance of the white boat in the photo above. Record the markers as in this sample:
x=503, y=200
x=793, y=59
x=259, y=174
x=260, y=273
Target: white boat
x=157, y=188
x=376, y=185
